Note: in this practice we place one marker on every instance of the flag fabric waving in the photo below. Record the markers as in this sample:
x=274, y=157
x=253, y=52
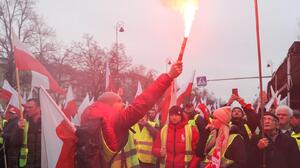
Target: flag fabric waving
x=109, y=86
x=139, y=89
x=58, y=135
x=6, y=91
x=10, y=94
x=25, y=61
x=185, y=91
x=85, y=103
x=168, y=101
x=70, y=108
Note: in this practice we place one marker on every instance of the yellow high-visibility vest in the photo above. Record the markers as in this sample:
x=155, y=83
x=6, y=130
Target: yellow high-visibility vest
x=247, y=128
x=225, y=162
x=106, y=152
x=192, y=122
x=24, y=149
x=144, y=141
x=2, y=122
x=129, y=153
x=188, y=144
x=297, y=138
x=249, y=133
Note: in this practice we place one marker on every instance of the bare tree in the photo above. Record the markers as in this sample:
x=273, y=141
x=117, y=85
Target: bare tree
x=43, y=43
x=90, y=58
x=19, y=16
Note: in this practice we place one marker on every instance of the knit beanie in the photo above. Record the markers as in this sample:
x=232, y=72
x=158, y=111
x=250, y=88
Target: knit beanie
x=272, y=115
x=176, y=110
x=223, y=114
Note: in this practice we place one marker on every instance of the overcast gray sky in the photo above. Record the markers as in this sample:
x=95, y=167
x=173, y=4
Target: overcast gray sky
x=222, y=42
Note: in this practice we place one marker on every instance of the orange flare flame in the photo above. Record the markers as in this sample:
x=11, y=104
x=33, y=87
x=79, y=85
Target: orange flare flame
x=187, y=8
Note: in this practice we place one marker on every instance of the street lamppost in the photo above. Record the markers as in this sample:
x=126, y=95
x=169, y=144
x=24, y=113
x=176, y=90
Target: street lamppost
x=119, y=28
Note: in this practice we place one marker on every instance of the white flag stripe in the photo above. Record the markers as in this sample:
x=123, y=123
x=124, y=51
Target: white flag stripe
x=70, y=95
x=85, y=103
x=50, y=120
x=14, y=100
x=18, y=44
x=107, y=76
x=57, y=108
x=39, y=79
x=139, y=89
x=52, y=116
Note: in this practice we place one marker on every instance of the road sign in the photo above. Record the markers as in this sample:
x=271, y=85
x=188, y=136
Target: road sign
x=201, y=81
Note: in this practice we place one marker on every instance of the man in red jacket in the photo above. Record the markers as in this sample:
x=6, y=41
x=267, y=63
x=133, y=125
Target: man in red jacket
x=176, y=143
x=105, y=124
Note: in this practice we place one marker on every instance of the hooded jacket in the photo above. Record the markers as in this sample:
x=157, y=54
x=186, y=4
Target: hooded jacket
x=115, y=124
x=175, y=145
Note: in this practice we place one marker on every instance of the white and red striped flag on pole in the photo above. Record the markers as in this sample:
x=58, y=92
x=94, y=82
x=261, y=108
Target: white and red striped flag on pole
x=109, y=86
x=85, y=103
x=186, y=90
x=8, y=93
x=30, y=96
x=58, y=135
x=168, y=101
x=139, y=89
x=25, y=61
x=70, y=108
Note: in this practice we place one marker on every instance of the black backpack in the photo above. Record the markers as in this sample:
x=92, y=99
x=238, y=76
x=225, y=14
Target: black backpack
x=88, y=153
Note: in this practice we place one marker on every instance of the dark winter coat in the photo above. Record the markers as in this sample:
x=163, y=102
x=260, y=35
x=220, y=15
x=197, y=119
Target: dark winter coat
x=283, y=153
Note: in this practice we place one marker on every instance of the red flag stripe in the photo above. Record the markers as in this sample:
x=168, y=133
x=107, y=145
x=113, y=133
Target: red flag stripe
x=26, y=62
x=5, y=95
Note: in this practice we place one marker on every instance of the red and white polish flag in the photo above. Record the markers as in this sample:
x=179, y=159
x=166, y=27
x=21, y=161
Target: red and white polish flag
x=6, y=91
x=58, y=135
x=85, y=103
x=139, y=89
x=10, y=94
x=70, y=108
x=25, y=61
x=168, y=101
x=186, y=90
x=109, y=86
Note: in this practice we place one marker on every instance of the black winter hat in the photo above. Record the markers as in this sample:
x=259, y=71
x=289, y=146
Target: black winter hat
x=176, y=110
x=271, y=114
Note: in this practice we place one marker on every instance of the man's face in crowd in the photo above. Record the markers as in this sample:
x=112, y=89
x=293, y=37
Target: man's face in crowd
x=144, y=119
x=175, y=119
x=152, y=114
x=284, y=118
x=295, y=121
x=118, y=105
x=270, y=123
x=11, y=114
x=216, y=123
x=32, y=109
x=189, y=110
x=237, y=113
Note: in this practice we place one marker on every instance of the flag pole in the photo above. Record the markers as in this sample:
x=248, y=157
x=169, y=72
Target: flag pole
x=260, y=75
x=18, y=82
x=19, y=91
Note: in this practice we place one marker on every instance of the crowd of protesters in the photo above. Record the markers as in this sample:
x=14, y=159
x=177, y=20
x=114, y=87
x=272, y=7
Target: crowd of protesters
x=232, y=136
